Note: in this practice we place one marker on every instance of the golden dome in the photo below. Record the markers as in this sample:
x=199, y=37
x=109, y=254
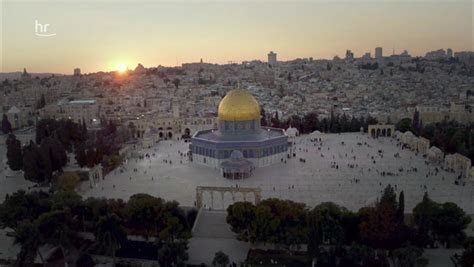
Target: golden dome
x=239, y=105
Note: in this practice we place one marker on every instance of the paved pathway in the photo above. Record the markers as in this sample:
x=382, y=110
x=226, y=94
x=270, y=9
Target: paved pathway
x=212, y=234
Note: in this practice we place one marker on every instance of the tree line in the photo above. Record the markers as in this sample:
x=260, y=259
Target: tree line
x=43, y=159
x=336, y=123
x=334, y=234
x=40, y=218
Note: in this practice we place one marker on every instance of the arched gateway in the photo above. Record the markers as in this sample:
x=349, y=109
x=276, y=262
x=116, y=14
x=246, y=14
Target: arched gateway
x=381, y=130
x=256, y=193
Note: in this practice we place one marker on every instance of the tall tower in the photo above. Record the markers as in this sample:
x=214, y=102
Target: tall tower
x=378, y=53
x=272, y=59
x=77, y=72
x=449, y=53
x=25, y=75
x=349, y=55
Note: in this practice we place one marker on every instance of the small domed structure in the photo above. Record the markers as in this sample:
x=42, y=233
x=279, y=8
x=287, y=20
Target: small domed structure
x=237, y=167
x=236, y=154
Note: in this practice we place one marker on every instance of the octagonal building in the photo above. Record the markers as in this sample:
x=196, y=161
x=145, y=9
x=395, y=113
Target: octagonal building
x=240, y=144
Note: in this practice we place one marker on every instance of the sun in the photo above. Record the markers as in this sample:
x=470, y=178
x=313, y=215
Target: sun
x=122, y=67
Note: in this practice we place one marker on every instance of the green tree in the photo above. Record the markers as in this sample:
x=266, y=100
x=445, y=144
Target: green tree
x=424, y=216
x=21, y=206
x=176, y=82
x=110, y=235
x=415, y=123
x=450, y=222
x=44, y=128
x=53, y=154
x=279, y=221
x=325, y=223
x=14, y=153
x=27, y=236
x=93, y=157
x=66, y=200
x=404, y=125
x=80, y=155
x=220, y=259
x=467, y=257
x=66, y=131
x=381, y=228
x=263, y=117
x=445, y=221
x=6, y=125
x=84, y=128
x=173, y=233
x=35, y=165
x=401, y=207
x=41, y=102
x=240, y=215
x=142, y=212
x=310, y=122
x=57, y=152
x=389, y=197
x=53, y=228
x=174, y=228
x=264, y=225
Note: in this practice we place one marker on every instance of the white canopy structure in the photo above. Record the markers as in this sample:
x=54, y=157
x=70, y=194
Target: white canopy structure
x=435, y=154
x=292, y=132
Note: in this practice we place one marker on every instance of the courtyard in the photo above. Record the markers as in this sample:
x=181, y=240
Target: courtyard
x=349, y=169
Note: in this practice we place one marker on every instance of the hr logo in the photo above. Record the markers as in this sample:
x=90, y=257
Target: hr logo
x=41, y=29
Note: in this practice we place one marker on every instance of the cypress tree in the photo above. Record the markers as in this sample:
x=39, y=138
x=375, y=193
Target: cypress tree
x=401, y=207
x=14, y=154
x=6, y=125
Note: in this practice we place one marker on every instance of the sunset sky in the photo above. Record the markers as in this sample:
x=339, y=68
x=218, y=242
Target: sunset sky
x=100, y=35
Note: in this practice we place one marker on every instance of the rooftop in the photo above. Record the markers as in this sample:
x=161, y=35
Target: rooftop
x=82, y=102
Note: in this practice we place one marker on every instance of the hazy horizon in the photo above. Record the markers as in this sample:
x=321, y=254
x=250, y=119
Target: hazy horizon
x=97, y=36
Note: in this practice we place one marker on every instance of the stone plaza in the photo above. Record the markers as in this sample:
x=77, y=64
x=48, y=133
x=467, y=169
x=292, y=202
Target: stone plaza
x=349, y=169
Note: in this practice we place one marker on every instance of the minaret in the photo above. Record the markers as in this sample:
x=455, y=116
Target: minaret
x=175, y=107
x=25, y=74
